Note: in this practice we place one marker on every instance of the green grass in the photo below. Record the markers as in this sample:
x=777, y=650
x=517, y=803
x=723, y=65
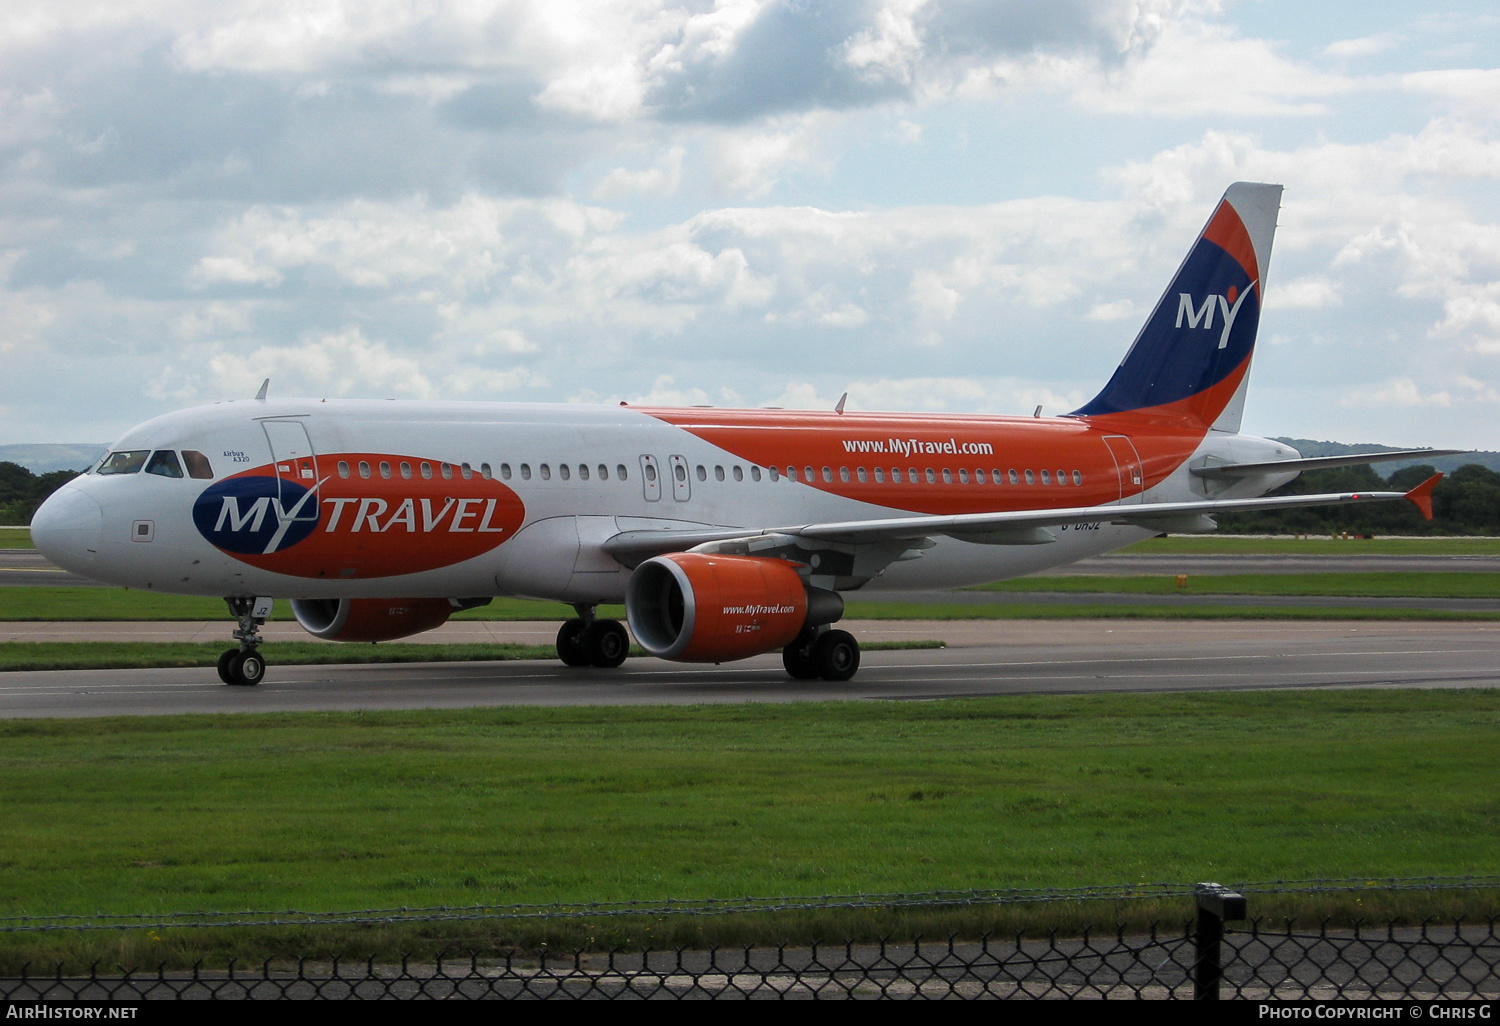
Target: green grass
x=1380, y=584
x=1231, y=544
x=71, y=604
x=1106, y=611
x=328, y=811
x=87, y=603
x=15, y=538
x=111, y=655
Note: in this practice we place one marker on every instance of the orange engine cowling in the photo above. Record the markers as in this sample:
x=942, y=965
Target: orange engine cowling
x=710, y=609
x=370, y=619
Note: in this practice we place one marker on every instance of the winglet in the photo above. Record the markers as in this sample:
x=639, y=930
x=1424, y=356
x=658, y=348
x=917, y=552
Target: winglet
x=1421, y=495
x=265, y=386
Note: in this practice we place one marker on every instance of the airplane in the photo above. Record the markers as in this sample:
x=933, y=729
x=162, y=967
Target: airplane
x=726, y=533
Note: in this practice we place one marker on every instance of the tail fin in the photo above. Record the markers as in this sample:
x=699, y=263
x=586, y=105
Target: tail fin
x=1192, y=359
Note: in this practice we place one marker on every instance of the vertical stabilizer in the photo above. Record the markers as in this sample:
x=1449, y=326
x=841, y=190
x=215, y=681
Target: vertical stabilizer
x=1192, y=358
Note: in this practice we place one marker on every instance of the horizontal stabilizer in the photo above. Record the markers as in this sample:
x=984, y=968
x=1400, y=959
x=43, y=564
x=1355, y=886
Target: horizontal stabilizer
x=1239, y=470
x=1421, y=495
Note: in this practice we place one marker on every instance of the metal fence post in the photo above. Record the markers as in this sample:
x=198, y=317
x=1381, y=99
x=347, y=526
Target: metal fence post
x=1216, y=903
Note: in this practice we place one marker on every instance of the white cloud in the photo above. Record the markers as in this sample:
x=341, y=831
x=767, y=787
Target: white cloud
x=1364, y=46
x=335, y=364
x=1313, y=293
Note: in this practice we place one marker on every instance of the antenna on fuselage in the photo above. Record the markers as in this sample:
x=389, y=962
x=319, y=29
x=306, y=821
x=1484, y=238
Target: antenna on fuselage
x=839, y=409
x=265, y=386
x=1037, y=412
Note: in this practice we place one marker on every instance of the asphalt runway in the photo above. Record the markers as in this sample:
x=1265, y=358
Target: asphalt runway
x=1015, y=657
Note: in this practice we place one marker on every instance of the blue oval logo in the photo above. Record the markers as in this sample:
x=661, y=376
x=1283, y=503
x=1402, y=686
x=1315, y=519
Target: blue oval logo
x=256, y=515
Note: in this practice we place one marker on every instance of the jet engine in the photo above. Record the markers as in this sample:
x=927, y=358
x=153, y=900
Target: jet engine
x=374, y=619
x=709, y=609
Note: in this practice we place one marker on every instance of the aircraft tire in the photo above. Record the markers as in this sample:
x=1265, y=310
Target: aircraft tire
x=836, y=656
x=570, y=643
x=224, y=660
x=798, y=660
x=246, y=669
x=606, y=643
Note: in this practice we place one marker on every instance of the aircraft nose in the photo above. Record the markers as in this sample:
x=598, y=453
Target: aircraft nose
x=67, y=527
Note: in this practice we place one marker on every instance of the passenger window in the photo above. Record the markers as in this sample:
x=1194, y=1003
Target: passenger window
x=485, y=472
x=563, y=471
x=650, y=472
x=811, y=477
x=947, y=476
x=1077, y=478
x=343, y=467
x=1046, y=478
x=505, y=471
x=526, y=472
x=164, y=464
x=364, y=469
x=963, y=476
x=911, y=475
x=680, y=472
x=1013, y=478
x=739, y=473
x=702, y=474
x=406, y=470
x=128, y=462
x=880, y=475
x=979, y=477
x=844, y=474
x=931, y=476
x=827, y=475
x=427, y=471
x=603, y=472
x=755, y=473
x=447, y=469
x=863, y=477
x=385, y=469
x=895, y=475
x=198, y=468
x=1030, y=478
x=545, y=471
x=583, y=471
x=1062, y=477
x=774, y=473
x=622, y=475
x=718, y=473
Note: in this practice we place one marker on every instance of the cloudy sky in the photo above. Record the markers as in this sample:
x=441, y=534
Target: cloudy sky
x=961, y=205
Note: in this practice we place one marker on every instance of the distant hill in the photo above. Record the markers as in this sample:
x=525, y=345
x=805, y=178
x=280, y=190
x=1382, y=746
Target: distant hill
x=46, y=458
x=1447, y=464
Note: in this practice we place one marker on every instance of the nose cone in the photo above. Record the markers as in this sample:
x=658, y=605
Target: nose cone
x=67, y=527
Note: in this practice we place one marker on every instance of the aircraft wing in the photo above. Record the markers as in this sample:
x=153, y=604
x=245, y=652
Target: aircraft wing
x=1018, y=527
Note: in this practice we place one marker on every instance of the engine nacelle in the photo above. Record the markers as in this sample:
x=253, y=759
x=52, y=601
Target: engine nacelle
x=711, y=609
x=371, y=619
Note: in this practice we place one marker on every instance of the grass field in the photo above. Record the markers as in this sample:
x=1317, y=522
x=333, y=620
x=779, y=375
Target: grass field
x=82, y=603
x=1324, y=546
x=369, y=810
x=1379, y=584
x=15, y=538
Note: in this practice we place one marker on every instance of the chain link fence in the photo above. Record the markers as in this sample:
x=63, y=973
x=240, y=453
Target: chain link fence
x=1205, y=958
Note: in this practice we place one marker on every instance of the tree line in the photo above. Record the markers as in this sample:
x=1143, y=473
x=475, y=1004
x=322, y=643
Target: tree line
x=1465, y=502
x=21, y=491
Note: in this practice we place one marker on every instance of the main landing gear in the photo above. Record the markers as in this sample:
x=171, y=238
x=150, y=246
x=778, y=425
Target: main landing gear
x=244, y=666
x=585, y=641
x=829, y=654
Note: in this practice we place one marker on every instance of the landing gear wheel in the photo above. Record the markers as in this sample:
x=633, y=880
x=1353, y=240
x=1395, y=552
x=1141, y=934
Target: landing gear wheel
x=836, y=655
x=224, y=660
x=798, y=660
x=570, y=645
x=606, y=643
x=245, y=669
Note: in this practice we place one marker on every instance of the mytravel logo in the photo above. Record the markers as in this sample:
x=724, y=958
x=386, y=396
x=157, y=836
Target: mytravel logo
x=1202, y=315
x=356, y=527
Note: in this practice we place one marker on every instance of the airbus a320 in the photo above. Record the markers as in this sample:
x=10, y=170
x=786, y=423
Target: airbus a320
x=726, y=533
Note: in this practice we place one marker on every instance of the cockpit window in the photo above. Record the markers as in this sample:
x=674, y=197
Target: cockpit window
x=163, y=463
x=128, y=462
x=197, y=465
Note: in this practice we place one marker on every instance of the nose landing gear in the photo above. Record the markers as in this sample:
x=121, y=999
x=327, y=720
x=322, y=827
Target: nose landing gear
x=244, y=666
